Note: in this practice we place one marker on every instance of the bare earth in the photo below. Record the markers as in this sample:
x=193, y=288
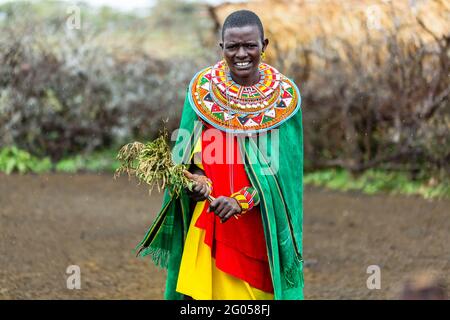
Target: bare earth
x=50, y=222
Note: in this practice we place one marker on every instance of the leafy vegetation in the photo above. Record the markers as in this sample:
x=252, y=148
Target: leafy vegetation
x=378, y=181
x=99, y=161
x=13, y=159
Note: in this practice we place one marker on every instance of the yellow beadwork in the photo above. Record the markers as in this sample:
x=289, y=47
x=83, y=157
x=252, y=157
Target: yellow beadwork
x=242, y=201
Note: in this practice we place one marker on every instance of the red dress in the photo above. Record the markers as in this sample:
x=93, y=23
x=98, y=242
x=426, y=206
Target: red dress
x=238, y=245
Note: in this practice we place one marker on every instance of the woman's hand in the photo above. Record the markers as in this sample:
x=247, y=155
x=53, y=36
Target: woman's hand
x=224, y=207
x=201, y=189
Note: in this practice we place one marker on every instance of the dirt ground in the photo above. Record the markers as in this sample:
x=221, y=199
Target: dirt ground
x=49, y=222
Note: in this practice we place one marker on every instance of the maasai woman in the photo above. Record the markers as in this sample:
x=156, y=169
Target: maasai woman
x=238, y=233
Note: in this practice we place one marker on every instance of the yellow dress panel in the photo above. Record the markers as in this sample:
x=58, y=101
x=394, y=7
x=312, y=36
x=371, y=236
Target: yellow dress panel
x=199, y=277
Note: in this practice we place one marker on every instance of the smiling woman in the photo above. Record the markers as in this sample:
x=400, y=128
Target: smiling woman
x=241, y=107
x=243, y=45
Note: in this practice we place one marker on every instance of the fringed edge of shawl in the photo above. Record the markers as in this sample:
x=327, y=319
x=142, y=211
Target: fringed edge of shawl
x=160, y=257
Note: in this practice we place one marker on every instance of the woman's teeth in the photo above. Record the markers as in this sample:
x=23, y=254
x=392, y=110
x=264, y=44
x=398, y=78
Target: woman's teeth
x=242, y=64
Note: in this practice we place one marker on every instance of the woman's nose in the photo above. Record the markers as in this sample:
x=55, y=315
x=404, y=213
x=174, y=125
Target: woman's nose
x=241, y=53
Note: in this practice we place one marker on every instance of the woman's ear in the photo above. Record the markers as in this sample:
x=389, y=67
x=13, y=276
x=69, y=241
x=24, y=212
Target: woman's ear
x=221, y=45
x=265, y=44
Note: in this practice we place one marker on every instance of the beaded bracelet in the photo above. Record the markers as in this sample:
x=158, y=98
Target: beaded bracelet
x=247, y=198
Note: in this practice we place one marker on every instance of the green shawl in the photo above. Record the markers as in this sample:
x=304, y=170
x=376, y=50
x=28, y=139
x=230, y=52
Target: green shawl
x=281, y=205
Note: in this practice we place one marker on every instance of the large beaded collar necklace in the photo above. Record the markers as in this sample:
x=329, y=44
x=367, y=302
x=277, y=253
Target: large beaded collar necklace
x=230, y=107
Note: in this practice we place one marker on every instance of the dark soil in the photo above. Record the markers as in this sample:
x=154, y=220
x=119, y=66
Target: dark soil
x=49, y=222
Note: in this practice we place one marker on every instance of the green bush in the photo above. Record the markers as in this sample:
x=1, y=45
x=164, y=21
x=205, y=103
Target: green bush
x=14, y=160
x=100, y=161
x=64, y=92
x=378, y=181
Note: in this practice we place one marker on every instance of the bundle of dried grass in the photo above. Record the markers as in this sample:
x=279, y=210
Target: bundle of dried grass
x=152, y=164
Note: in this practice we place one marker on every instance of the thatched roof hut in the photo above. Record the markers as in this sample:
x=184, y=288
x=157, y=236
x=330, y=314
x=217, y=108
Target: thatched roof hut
x=292, y=23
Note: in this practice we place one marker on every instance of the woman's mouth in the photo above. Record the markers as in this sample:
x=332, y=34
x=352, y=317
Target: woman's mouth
x=242, y=65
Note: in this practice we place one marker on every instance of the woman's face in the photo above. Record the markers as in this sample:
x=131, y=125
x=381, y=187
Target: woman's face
x=242, y=49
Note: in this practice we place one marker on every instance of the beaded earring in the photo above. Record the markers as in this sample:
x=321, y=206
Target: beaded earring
x=263, y=55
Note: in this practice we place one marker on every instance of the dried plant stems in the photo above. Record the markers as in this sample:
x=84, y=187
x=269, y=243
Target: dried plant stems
x=152, y=164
